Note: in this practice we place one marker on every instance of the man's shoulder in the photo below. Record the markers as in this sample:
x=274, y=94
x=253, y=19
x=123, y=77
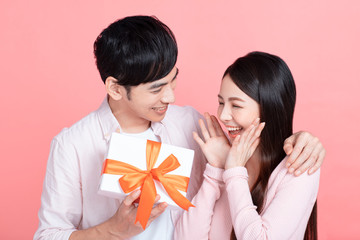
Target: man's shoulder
x=79, y=129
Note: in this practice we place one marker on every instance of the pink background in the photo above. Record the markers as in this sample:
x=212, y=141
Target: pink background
x=49, y=81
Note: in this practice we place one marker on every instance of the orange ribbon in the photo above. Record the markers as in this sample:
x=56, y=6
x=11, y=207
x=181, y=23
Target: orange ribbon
x=134, y=177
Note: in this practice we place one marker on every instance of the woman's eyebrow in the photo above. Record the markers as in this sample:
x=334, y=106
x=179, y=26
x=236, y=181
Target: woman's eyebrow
x=236, y=99
x=232, y=98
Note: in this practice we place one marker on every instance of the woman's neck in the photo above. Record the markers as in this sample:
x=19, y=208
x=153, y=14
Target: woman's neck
x=253, y=168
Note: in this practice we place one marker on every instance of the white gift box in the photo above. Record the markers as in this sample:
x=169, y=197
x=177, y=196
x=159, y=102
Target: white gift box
x=132, y=151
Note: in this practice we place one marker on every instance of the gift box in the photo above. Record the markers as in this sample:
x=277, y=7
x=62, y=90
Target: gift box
x=155, y=168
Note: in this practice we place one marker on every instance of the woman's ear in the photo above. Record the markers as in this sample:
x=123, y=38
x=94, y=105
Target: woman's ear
x=113, y=89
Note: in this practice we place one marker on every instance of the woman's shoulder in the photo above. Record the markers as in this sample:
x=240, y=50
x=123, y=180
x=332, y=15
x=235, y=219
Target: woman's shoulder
x=281, y=176
x=283, y=184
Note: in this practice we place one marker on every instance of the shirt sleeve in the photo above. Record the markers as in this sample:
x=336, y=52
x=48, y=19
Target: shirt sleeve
x=286, y=212
x=196, y=222
x=61, y=205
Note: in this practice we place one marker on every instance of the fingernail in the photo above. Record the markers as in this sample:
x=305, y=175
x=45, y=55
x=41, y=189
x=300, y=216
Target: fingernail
x=288, y=165
x=291, y=170
x=297, y=173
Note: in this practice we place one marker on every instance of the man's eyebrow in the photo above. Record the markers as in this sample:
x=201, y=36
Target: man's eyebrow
x=157, y=85
x=177, y=72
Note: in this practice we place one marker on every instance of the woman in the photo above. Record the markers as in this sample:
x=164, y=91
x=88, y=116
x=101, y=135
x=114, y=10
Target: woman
x=247, y=191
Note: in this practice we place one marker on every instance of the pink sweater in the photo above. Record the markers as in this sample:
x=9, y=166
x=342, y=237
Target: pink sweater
x=224, y=201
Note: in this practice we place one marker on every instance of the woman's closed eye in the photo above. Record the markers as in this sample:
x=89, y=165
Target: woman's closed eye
x=236, y=106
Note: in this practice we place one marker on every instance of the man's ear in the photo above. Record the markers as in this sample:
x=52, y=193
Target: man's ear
x=114, y=90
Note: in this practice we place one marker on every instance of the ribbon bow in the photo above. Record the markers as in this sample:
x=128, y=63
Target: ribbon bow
x=134, y=177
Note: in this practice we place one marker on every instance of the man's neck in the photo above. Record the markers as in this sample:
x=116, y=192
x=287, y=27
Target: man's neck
x=129, y=123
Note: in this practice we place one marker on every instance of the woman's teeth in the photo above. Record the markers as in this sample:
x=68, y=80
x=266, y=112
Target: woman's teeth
x=231, y=129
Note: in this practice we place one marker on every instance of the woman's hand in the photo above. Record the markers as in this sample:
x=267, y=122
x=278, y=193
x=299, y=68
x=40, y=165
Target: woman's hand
x=244, y=145
x=215, y=145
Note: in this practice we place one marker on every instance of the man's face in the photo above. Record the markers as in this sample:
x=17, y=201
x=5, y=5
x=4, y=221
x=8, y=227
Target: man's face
x=149, y=101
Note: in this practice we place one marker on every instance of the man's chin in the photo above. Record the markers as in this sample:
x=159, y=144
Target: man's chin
x=158, y=117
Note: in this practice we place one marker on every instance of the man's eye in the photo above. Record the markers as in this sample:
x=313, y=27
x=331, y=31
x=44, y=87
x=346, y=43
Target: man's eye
x=156, y=91
x=221, y=103
x=236, y=106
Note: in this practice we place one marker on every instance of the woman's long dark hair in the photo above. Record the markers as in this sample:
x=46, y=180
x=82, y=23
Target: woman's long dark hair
x=268, y=80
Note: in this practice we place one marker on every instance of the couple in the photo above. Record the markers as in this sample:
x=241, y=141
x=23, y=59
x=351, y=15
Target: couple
x=136, y=57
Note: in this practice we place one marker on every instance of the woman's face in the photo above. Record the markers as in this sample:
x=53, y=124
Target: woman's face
x=236, y=109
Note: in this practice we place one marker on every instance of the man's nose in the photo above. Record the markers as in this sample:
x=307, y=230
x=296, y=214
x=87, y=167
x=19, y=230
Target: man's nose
x=169, y=95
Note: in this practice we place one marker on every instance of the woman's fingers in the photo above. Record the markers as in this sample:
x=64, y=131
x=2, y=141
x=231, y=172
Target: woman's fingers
x=219, y=131
x=250, y=136
x=198, y=139
x=210, y=125
x=249, y=133
x=257, y=132
x=204, y=130
x=253, y=147
x=236, y=142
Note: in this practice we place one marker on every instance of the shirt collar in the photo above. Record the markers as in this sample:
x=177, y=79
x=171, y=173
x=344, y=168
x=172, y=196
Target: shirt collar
x=159, y=128
x=109, y=124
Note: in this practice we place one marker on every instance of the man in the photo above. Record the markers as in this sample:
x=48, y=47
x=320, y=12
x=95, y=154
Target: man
x=136, y=57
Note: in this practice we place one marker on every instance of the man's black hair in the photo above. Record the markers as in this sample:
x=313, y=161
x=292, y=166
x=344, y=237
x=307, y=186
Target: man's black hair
x=135, y=50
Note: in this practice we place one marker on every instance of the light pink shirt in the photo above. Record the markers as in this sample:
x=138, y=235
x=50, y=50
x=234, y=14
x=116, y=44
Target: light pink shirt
x=224, y=201
x=70, y=198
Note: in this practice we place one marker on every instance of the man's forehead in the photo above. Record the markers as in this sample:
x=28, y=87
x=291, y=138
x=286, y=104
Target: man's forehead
x=158, y=83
